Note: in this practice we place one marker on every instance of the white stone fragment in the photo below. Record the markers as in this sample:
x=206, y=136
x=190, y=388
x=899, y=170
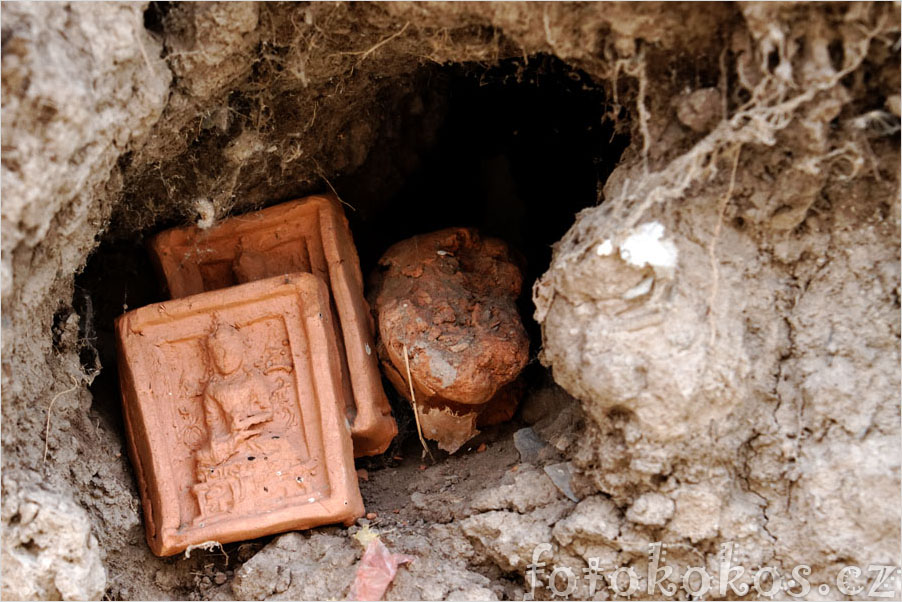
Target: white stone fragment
x=605, y=248
x=640, y=289
x=647, y=246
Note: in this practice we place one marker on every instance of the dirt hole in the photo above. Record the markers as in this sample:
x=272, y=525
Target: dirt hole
x=518, y=150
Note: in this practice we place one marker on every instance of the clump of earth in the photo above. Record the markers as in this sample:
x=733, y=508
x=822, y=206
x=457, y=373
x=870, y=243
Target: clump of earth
x=715, y=333
x=447, y=301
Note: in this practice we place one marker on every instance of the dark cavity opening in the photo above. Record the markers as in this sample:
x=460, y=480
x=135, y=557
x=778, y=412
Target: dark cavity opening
x=155, y=15
x=519, y=150
x=524, y=146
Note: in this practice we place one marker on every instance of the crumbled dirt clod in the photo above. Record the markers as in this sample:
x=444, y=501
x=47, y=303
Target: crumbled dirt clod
x=701, y=110
x=448, y=300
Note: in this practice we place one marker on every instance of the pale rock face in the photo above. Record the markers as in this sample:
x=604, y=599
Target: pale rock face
x=527, y=490
x=616, y=322
x=594, y=521
x=49, y=552
x=293, y=566
x=651, y=509
x=80, y=86
x=697, y=513
x=710, y=418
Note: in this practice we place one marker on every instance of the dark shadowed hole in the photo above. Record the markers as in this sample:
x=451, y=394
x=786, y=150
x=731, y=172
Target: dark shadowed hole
x=523, y=147
x=154, y=15
x=837, y=54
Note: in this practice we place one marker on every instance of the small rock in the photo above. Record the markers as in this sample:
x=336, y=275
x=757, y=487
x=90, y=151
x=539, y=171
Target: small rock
x=419, y=500
x=301, y=566
x=697, y=513
x=893, y=104
x=521, y=491
x=219, y=578
x=700, y=110
x=560, y=475
x=594, y=522
x=283, y=580
x=167, y=579
x=371, y=515
x=508, y=538
x=529, y=444
x=652, y=509
x=482, y=447
x=362, y=474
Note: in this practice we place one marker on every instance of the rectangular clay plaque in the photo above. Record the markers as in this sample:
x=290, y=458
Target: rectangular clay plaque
x=234, y=414
x=307, y=235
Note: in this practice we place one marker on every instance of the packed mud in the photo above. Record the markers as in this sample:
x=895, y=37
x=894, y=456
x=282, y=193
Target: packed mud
x=707, y=203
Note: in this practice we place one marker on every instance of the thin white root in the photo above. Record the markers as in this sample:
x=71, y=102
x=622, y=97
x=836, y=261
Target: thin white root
x=365, y=53
x=49, y=413
x=712, y=246
x=413, y=403
x=770, y=110
x=208, y=546
x=332, y=188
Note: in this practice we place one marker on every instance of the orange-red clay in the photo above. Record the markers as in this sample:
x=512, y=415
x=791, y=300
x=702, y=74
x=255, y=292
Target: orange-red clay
x=448, y=299
x=234, y=413
x=307, y=235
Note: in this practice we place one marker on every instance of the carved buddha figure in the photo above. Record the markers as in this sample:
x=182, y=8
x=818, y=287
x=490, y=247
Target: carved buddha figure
x=236, y=399
x=250, y=458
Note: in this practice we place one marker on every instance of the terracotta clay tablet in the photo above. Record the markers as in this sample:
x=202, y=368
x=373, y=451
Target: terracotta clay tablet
x=307, y=235
x=234, y=414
